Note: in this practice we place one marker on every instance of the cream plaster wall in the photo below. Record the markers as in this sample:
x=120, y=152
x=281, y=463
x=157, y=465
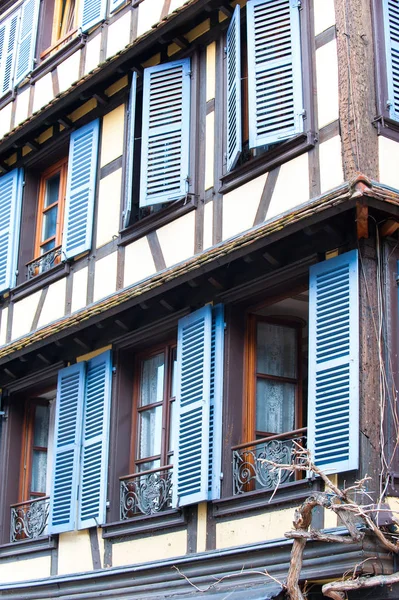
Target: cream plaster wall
x=208, y=225
x=210, y=71
x=112, y=135
x=118, y=34
x=74, y=552
x=209, y=149
x=331, y=170
x=157, y=547
x=327, y=83
x=324, y=15
x=105, y=276
x=5, y=119
x=93, y=354
x=92, y=53
x=23, y=314
x=21, y=111
x=176, y=4
x=240, y=206
x=25, y=570
x=3, y=326
x=54, y=304
x=68, y=71
x=108, y=207
x=149, y=14
x=388, y=154
x=177, y=239
x=79, y=289
x=268, y=526
x=139, y=263
x=201, y=526
x=292, y=186
x=43, y=92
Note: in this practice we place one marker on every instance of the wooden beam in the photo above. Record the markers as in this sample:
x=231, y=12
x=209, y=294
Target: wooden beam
x=43, y=358
x=166, y=305
x=389, y=227
x=271, y=260
x=121, y=324
x=82, y=344
x=362, y=220
x=65, y=122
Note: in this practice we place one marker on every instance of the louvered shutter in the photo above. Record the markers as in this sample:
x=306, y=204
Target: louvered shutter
x=131, y=115
x=81, y=184
x=114, y=4
x=27, y=39
x=10, y=221
x=94, y=456
x=333, y=411
x=391, y=28
x=191, y=454
x=93, y=11
x=165, y=133
x=274, y=71
x=8, y=51
x=216, y=403
x=233, y=58
x=66, y=454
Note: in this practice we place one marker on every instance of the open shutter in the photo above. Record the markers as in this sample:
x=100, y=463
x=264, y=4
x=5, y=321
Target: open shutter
x=81, y=183
x=131, y=116
x=233, y=57
x=10, y=220
x=274, y=71
x=27, y=39
x=190, y=472
x=165, y=135
x=66, y=454
x=8, y=50
x=391, y=29
x=333, y=421
x=93, y=11
x=94, y=457
x=114, y=4
x=216, y=402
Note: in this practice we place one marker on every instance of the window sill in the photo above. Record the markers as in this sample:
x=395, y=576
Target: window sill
x=27, y=547
x=36, y=283
x=145, y=524
x=388, y=128
x=268, y=161
x=163, y=217
x=50, y=62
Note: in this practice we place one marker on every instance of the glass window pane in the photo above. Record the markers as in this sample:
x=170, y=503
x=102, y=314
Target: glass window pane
x=52, y=190
x=39, y=471
x=49, y=223
x=41, y=426
x=49, y=246
x=150, y=432
x=152, y=376
x=276, y=352
x=171, y=423
x=148, y=466
x=275, y=406
x=174, y=367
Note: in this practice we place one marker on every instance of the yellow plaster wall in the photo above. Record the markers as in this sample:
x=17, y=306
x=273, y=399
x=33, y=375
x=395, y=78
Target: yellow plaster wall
x=93, y=354
x=327, y=83
x=388, y=155
x=198, y=31
x=74, y=552
x=177, y=239
x=118, y=34
x=292, y=186
x=92, y=58
x=209, y=150
x=210, y=71
x=105, y=276
x=331, y=170
x=5, y=119
x=112, y=135
x=79, y=289
x=46, y=135
x=25, y=570
x=43, y=92
x=3, y=326
x=240, y=206
x=201, y=526
x=83, y=110
x=68, y=71
x=54, y=304
x=324, y=15
x=23, y=314
x=108, y=207
x=21, y=111
x=268, y=526
x=157, y=547
x=139, y=263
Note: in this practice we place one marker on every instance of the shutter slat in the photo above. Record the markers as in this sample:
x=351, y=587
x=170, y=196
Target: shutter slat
x=274, y=71
x=8, y=50
x=131, y=116
x=165, y=134
x=333, y=422
x=391, y=27
x=67, y=439
x=233, y=57
x=115, y=4
x=27, y=39
x=81, y=183
x=216, y=403
x=93, y=477
x=92, y=12
x=10, y=222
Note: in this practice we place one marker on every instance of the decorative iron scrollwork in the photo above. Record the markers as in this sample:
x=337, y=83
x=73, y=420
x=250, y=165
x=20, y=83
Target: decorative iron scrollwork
x=146, y=493
x=29, y=519
x=43, y=263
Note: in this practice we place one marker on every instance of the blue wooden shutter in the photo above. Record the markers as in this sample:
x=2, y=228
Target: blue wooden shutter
x=391, y=28
x=131, y=115
x=233, y=69
x=67, y=442
x=191, y=447
x=333, y=411
x=81, y=185
x=94, y=456
x=114, y=4
x=8, y=51
x=216, y=403
x=165, y=134
x=10, y=222
x=27, y=39
x=274, y=71
x=93, y=11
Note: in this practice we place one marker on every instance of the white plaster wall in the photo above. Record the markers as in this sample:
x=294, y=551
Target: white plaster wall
x=5, y=119
x=208, y=225
x=3, y=326
x=92, y=53
x=68, y=71
x=177, y=239
x=149, y=13
x=23, y=314
x=324, y=15
x=240, y=206
x=112, y=135
x=25, y=570
x=268, y=526
x=327, y=83
x=79, y=289
x=292, y=186
x=74, y=552
x=331, y=170
x=139, y=263
x=54, y=304
x=21, y=111
x=388, y=155
x=176, y=4
x=157, y=547
x=118, y=34
x=43, y=92
x=105, y=276
x=210, y=71
x=209, y=149
x=108, y=210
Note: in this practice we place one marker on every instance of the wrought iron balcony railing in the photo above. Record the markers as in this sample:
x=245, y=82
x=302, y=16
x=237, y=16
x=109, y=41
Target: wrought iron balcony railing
x=250, y=467
x=29, y=519
x=147, y=493
x=43, y=263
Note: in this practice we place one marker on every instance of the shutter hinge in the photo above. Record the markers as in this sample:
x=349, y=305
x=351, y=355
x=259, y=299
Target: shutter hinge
x=225, y=325
x=221, y=476
x=389, y=104
x=297, y=4
x=113, y=369
x=225, y=50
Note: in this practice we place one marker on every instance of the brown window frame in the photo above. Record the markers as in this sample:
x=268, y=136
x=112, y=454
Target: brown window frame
x=60, y=35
